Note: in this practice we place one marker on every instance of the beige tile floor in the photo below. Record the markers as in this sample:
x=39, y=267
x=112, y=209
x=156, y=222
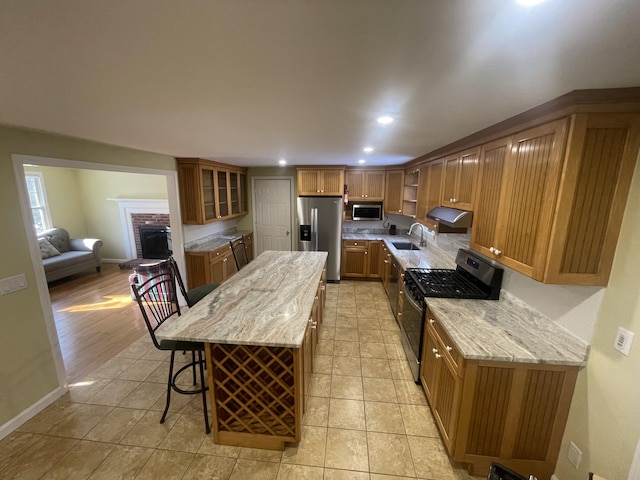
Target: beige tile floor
x=367, y=419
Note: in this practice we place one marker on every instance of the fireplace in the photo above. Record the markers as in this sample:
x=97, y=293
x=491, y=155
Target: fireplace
x=155, y=241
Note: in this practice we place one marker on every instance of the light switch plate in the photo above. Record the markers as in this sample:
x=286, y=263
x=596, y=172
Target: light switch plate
x=12, y=284
x=624, y=339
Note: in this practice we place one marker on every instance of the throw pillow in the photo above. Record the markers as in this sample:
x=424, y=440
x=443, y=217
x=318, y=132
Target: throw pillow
x=46, y=249
x=60, y=242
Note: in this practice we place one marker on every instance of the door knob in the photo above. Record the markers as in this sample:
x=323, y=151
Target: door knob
x=287, y=232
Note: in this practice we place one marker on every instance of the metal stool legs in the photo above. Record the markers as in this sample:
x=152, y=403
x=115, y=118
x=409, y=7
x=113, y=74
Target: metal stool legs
x=171, y=385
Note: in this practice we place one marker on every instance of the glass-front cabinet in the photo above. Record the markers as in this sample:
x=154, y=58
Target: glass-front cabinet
x=210, y=191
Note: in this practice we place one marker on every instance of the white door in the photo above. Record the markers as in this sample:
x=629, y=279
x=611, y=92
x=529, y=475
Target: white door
x=273, y=214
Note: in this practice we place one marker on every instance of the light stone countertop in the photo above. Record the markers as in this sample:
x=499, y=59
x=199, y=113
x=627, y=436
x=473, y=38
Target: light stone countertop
x=267, y=303
x=209, y=244
x=503, y=330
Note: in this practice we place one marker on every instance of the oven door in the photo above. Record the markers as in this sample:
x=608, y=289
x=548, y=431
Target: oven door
x=411, y=328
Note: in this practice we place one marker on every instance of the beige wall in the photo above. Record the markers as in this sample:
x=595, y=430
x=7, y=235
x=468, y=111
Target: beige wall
x=78, y=200
x=604, y=421
x=27, y=368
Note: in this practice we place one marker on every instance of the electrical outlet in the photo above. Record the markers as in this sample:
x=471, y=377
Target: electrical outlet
x=624, y=339
x=574, y=454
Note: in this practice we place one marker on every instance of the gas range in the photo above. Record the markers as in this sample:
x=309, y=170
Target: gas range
x=473, y=278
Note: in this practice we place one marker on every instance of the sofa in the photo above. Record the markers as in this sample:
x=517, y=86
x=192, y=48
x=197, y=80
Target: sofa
x=63, y=256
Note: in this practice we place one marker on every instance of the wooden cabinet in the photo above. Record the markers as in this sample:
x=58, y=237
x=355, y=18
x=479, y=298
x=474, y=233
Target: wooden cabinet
x=211, y=267
x=321, y=182
x=394, y=188
x=362, y=259
x=385, y=267
x=364, y=184
x=459, y=179
x=410, y=192
x=210, y=191
x=429, y=190
x=441, y=379
x=490, y=411
x=550, y=199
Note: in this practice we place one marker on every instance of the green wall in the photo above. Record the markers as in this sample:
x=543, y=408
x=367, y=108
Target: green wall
x=79, y=201
x=27, y=368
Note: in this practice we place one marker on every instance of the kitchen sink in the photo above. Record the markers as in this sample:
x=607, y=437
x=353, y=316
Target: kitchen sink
x=405, y=246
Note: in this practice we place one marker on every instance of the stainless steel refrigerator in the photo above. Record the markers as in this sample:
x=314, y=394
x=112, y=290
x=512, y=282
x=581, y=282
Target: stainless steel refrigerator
x=320, y=229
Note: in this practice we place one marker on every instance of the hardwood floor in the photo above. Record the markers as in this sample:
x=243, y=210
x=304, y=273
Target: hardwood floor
x=95, y=318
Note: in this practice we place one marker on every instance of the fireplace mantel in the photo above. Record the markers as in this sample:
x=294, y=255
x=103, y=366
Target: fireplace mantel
x=129, y=206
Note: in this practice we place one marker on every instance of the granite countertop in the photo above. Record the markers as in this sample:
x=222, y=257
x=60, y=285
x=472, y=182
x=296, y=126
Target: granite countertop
x=267, y=303
x=209, y=244
x=503, y=330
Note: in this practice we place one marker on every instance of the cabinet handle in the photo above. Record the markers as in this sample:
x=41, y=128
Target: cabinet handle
x=434, y=350
x=386, y=261
x=366, y=253
x=400, y=292
x=451, y=200
x=491, y=249
x=449, y=348
x=362, y=195
x=437, y=355
x=432, y=321
x=366, y=196
x=399, y=314
x=497, y=252
x=399, y=211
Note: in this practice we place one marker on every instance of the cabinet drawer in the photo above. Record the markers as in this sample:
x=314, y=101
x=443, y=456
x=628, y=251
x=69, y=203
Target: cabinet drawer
x=219, y=252
x=450, y=349
x=355, y=243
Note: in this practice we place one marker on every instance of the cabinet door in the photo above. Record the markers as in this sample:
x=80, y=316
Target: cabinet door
x=374, y=182
x=242, y=193
x=307, y=360
x=435, y=183
x=449, y=182
x=355, y=259
x=528, y=198
x=332, y=182
x=487, y=203
x=208, y=184
x=234, y=192
x=191, y=193
x=375, y=259
x=429, y=363
x=308, y=182
x=446, y=404
x=460, y=179
x=355, y=183
x=217, y=269
x=393, y=192
x=222, y=195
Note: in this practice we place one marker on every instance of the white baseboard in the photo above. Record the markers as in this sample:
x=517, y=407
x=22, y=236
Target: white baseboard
x=31, y=412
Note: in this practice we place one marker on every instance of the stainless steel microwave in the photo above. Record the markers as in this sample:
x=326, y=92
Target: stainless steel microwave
x=366, y=212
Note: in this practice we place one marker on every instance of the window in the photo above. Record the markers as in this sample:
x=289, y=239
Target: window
x=38, y=201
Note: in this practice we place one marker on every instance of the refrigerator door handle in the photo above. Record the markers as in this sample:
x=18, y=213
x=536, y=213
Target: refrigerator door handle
x=314, y=227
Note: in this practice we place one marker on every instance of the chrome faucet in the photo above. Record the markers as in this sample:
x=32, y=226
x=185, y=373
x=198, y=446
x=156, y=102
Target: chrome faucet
x=423, y=242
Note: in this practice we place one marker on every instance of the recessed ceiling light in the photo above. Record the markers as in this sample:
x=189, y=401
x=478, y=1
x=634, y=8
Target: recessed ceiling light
x=282, y=161
x=362, y=160
x=386, y=120
x=529, y=3
x=367, y=149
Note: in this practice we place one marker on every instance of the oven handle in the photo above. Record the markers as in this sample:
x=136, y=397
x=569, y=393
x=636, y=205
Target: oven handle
x=412, y=301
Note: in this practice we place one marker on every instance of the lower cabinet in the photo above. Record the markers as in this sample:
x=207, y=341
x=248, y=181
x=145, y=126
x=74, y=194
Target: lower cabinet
x=492, y=411
x=362, y=258
x=210, y=267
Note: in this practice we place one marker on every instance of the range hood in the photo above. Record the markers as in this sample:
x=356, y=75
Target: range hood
x=451, y=217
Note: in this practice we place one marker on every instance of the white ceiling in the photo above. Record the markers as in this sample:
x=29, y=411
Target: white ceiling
x=251, y=81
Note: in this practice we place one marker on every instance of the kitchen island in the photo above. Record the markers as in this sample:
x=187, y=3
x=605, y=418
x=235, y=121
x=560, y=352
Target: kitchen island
x=258, y=329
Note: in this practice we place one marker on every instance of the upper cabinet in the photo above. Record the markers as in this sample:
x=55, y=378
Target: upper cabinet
x=366, y=185
x=429, y=191
x=458, y=184
x=550, y=199
x=321, y=181
x=394, y=190
x=210, y=191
